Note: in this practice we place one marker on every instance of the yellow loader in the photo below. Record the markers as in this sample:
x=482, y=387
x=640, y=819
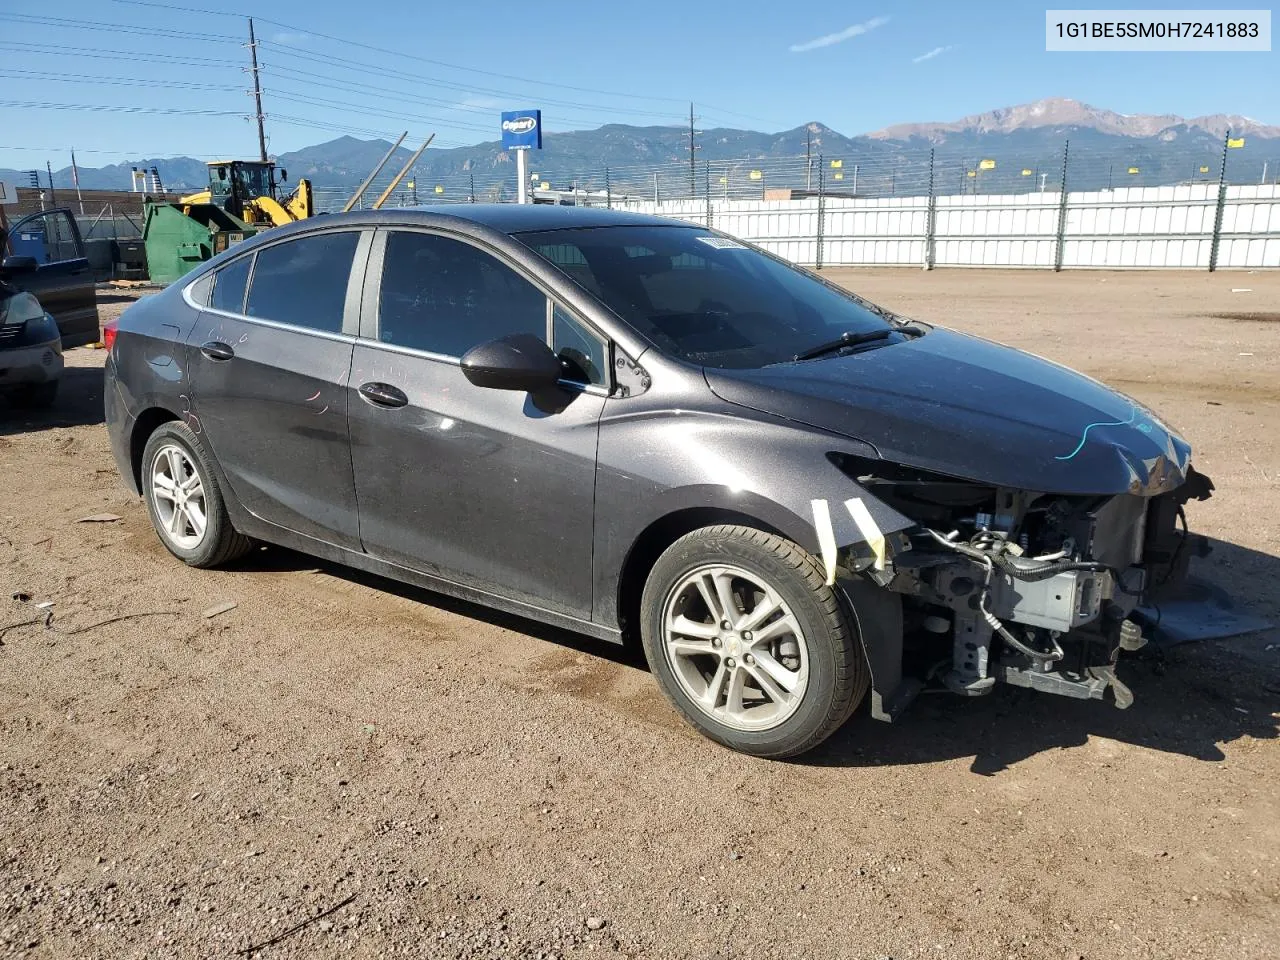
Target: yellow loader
x=247, y=189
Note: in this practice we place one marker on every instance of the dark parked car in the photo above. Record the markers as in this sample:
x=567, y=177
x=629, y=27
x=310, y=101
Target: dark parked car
x=624, y=425
x=44, y=255
x=30, y=350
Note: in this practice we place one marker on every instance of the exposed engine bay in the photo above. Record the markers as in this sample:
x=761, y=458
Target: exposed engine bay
x=1031, y=589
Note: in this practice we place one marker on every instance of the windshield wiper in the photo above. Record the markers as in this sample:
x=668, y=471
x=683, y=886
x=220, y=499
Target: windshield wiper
x=851, y=339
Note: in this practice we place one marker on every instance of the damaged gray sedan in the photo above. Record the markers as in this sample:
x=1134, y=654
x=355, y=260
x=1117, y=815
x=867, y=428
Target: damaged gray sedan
x=631, y=427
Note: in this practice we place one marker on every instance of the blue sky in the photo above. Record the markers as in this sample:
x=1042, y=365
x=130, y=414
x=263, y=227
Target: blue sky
x=855, y=66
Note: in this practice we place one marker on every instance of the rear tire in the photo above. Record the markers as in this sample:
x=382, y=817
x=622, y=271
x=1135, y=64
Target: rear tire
x=184, y=501
x=37, y=396
x=749, y=642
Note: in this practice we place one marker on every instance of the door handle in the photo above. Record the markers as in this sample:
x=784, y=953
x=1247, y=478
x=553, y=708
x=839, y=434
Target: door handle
x=216, y=350
x=383, y=395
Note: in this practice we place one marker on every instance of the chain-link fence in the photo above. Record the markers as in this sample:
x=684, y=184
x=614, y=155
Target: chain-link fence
x=886, y=171
x=1192, y=208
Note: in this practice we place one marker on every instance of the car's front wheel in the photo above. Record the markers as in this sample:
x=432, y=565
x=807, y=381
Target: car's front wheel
x=184, y=500
x=749, y=642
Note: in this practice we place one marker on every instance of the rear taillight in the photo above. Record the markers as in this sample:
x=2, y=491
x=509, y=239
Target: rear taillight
x=109, y=334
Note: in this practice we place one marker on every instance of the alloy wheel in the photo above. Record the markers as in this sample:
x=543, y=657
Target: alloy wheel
x=735, y=647
x=177, y=493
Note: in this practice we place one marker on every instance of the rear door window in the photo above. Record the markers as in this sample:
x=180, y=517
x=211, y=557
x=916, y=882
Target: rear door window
x=229, y=285
x=303, y=282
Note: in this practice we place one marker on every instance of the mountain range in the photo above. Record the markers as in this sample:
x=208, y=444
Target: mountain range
x=1164, y=145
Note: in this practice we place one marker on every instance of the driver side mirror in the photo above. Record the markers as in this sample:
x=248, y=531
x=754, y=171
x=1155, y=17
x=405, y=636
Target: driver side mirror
x=284, y=175
x=518, y=362
x=19, y=265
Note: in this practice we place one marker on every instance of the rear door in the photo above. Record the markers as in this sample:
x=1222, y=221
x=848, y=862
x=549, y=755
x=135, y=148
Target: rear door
x=62, y=282
x=270, y=361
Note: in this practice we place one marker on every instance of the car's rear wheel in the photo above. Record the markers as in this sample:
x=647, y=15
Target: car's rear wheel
x=749, y=642
x=35, y=396
x=184, y=500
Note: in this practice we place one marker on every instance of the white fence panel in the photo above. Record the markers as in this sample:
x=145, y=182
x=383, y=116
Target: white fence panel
x=1167, y=227
x=1250, y=227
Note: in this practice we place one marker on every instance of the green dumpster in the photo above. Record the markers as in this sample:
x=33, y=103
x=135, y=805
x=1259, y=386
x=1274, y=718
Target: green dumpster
x=177, y=242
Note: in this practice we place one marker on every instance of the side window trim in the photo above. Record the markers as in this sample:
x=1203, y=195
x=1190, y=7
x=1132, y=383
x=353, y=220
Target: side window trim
x=370, y=303
x=371, y=293
x=351, y=305
x=248, y=285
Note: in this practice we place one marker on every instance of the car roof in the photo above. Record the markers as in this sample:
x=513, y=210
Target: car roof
x=504, y=217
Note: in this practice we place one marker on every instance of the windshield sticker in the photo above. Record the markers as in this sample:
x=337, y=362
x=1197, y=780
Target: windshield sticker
x=722, y=243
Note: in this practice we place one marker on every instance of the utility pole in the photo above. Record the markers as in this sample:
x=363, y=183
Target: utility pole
x=53, y=197
x=257, y=94
x=808, y=158
x=693, y=172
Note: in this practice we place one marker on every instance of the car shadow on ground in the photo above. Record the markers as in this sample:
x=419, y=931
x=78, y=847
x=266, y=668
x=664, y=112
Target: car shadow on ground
x=1190, y=699
x=273, y=559
x=79, y=404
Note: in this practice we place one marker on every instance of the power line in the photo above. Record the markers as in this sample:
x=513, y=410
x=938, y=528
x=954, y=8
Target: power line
x=346, y=41
x=380, y=96
x=388, y=114
x=117, y=108
x=421, y=98
x=116, y=81
x=344, y=63
x=97, y=27
x=42, y=49
x=153, y=154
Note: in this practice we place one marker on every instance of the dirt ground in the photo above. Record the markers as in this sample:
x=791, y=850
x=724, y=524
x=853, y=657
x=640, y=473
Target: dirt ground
x=460, y=783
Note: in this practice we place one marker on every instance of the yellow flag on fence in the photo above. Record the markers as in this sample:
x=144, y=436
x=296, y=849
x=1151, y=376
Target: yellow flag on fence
x=439, y=189
x=1235, y=143
x=544, y=185
x=756, y=175
x=837, y=164
x=972, y=173
x=1133, y=169
x=839, y=176
x=1026, y=172
x=987, y=165
x=1204, y=169
x=409, y=184
x=724, y=179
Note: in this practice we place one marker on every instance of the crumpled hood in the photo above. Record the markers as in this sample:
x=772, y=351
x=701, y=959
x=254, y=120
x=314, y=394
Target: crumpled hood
x=969, y=408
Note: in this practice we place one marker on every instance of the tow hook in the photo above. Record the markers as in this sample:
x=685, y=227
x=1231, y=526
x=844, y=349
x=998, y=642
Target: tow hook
x=1107, y=674
x=1131, y=637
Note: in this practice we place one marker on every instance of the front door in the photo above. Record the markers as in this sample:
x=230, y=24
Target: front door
x=62, y=280
x=270, y=361
x=483, y=487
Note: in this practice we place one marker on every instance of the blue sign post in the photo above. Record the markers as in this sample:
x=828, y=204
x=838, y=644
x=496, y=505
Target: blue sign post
x=522, y=132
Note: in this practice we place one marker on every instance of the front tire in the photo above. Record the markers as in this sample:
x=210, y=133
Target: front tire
x=184, y=501
x=749, y=642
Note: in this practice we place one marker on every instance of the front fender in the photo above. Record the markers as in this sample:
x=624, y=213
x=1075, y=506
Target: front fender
x=654, y=463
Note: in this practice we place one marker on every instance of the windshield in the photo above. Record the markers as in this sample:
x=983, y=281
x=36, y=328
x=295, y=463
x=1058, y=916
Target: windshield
x=255, y=181
x=705, y=298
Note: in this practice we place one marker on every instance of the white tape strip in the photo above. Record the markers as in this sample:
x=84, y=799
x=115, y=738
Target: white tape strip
x=826, y=537
x=868, y=528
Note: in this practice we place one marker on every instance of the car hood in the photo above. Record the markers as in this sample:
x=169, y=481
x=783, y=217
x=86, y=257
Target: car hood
x=962, y=406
